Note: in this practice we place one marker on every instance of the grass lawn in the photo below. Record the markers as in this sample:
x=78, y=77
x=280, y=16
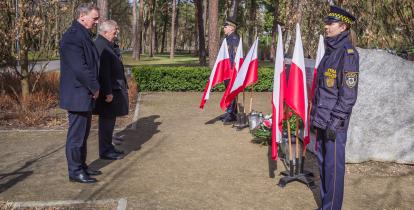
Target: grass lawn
x=179, y=60
x=160, y=59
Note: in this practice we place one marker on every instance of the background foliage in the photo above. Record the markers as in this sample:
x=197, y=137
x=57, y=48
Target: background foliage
x=187, y=78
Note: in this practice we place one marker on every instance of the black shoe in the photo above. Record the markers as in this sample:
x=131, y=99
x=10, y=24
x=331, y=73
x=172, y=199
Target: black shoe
x=91, y=172
x=119, y=151
x=82, y=178
x=111, y=156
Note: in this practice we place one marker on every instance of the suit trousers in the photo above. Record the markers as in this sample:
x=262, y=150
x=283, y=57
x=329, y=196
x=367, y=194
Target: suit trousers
x=106, y=130
x=331, y=159
x=76, y=146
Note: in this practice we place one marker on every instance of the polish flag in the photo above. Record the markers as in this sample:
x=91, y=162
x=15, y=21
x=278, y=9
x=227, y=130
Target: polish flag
x=297, y=90
x=238, y=61
x=247, y=74
x=218, y=73
x=319, y=55
x=279, y=88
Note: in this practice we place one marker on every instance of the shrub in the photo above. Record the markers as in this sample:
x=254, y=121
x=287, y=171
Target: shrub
x=183, y=78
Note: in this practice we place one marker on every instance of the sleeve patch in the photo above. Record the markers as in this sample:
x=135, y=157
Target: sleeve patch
x=351, y=79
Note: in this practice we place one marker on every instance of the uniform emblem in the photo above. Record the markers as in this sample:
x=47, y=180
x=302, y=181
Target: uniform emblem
x=351, y=79
x=330, y=76
x=350, y=51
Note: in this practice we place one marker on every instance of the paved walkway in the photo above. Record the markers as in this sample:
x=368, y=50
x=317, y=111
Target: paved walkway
x=179, y=158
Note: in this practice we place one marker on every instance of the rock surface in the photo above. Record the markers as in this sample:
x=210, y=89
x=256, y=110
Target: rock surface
x=382, y=122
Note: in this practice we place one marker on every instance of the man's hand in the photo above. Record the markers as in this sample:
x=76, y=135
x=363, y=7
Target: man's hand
x=95, y=95
x=109, y=98
x=330, y=134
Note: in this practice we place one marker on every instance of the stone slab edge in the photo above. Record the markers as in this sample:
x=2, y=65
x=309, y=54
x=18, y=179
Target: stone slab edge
x=122, y=203
x=136, y=113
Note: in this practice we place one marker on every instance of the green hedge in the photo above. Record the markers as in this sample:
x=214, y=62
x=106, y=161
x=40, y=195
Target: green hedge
x=184, y=78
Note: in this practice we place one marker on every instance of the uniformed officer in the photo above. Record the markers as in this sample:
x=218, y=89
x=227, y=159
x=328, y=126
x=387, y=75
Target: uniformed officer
x=232, y=39
x=335, y=95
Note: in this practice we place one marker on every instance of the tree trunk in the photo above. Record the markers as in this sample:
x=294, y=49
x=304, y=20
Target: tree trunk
x=145, y=38
x=173, y=29
x=103, y=10
x=274, y=29
x=134, y=30
x=213, y=36
x=139, y=28
x=201, y=41
x=23, y=54
x=57, y=29
x=233, y=9
x=177, y=15
x=205, y=11
x=164, y=34
x=252, y=26
x=153, y=29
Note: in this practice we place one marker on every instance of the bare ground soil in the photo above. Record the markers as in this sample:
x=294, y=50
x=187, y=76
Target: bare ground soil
x=180, y=157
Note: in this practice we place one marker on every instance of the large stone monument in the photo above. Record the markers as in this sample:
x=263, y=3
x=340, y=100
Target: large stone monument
x=382, y=122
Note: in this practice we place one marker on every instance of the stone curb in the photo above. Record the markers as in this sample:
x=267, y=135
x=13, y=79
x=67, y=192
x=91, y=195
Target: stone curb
x=122, y=203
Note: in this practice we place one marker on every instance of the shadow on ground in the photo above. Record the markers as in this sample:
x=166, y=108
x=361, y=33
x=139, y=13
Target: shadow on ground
x=214, y=120
x=133, y=138
x=311, y=165
x=8, y=180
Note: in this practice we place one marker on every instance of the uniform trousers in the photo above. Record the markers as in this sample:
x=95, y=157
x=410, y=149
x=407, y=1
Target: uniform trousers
x=232, y=108
x=76, y=146
x=331, y=159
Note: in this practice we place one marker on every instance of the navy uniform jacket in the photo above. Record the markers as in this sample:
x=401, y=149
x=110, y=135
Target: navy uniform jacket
x=78, y=69
x=336, y=85
x=112, y=81
x=232, y=44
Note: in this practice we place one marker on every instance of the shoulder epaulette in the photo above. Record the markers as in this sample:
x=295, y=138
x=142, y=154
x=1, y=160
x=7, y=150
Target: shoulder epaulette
x=349, y=48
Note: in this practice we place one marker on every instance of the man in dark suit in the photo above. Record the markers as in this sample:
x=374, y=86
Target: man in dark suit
x=79, y=88
x=113, y=99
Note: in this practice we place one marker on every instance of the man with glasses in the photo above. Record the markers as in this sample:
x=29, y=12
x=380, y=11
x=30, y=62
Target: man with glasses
x=113, y=99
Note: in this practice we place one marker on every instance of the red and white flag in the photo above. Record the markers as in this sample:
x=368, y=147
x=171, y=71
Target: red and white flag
x=218, y=73
x=297, y=89
x=238, y=61
x=319, y=56
x=279, y=88
x=247, y=74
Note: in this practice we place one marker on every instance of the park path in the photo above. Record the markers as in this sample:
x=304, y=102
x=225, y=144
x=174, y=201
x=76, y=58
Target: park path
x=179, y=157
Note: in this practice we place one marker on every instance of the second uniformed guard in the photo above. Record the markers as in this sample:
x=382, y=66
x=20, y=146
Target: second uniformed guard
x=335, y=95
x=232, y=39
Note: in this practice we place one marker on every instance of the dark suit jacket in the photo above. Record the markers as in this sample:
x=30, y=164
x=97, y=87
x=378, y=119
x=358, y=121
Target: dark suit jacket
x=112, y=81
x=78, y=69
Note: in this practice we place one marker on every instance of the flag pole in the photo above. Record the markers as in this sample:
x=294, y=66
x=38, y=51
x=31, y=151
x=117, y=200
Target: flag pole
x=297, y=146
x=290, y=149
x=251, y=98
x=302, y=165
x=244, y=103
